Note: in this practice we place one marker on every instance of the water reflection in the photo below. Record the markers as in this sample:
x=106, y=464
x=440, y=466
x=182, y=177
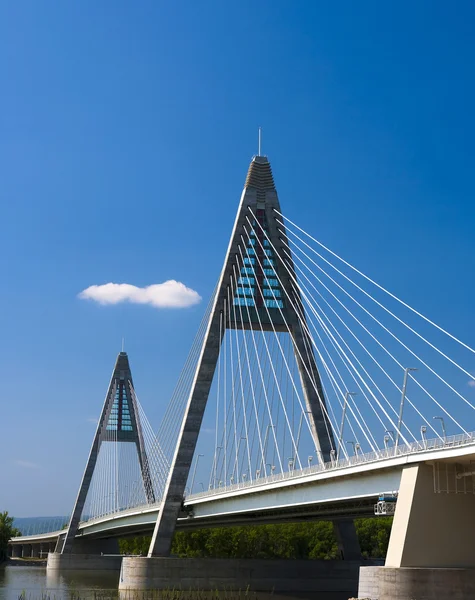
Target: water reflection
x=35, y=582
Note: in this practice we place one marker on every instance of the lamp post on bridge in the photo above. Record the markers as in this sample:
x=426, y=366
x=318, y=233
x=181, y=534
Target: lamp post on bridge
x=299, y=431
x=423, y=435
x=390, y=434
x=401, y=407
x=266, y=442
x=271, y=467
x=194, y=472
x=442, y=422
x=342, y=425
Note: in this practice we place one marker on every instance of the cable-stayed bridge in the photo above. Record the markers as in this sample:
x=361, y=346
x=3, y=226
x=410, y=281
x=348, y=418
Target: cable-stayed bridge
x=321, y=390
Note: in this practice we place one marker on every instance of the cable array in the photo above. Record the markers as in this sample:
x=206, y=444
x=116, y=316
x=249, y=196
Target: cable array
x=119, y=480
x=366, y=343
x=309, y=342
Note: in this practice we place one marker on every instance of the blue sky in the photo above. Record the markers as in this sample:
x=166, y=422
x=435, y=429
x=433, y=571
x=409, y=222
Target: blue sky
x=126, y=130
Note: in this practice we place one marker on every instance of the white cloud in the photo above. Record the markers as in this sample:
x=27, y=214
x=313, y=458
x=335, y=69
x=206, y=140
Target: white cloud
x=471, y=383
x=169, y=294
x=26, y=464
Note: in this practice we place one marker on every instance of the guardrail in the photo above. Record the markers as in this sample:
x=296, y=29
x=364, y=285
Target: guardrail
x=343, y=463
x=359, y=458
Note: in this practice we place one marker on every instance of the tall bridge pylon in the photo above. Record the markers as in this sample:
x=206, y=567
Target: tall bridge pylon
x=255, y=280
x=119, y=422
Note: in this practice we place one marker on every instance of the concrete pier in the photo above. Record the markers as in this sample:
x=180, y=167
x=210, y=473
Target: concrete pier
x=83, y=562
x=387, y=583
x=338, y=580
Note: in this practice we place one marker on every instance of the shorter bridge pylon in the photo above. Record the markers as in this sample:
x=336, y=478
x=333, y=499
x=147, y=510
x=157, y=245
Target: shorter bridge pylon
x=119, y=422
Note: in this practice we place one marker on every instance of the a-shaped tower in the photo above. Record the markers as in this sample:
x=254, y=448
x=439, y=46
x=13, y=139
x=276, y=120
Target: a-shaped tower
x=272, y=303
x=119, y=422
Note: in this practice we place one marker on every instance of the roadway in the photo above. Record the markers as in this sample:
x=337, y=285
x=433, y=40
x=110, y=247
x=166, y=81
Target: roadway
x=349, y=489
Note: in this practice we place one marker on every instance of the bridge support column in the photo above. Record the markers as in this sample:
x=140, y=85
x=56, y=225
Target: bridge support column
x=35, y=550
x=431, y=529
x=83, y=562
x=431, y=549
x=336, y=579
x=347, y=539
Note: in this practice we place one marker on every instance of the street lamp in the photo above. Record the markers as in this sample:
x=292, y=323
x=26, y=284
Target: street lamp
x=390, y=434
x=342, y=425
x=194, y=471
x=266, y=442
x=423, y=435
x=386, y=440
x=401, y=407
x=442, y=422
x=310, y=458
x=291, y=463
x=299, y=431
x=333, y=457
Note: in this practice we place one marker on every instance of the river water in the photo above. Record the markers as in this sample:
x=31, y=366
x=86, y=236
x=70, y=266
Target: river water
x=36, y=584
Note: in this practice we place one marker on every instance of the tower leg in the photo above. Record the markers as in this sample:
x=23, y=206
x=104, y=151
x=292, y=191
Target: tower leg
x=347, y=539
x=165, y=526
x=81, y=498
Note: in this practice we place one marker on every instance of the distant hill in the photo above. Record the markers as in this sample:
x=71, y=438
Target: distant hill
x=35, y=525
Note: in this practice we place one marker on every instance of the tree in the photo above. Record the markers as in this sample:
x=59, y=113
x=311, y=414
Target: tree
x=313, y=540
x=7, y=531
x=373, y=535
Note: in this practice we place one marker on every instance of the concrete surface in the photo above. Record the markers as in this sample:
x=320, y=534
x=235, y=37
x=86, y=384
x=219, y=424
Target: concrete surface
x=80, y=562
x=431, y=529
x=337, y=579
x=387, y=583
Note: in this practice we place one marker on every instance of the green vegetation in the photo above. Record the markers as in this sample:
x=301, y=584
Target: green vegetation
x=169, y=594
x=6, y=532
x=286, y=540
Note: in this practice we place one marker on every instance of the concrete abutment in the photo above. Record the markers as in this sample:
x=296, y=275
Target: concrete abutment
x=431, y=553
x=340, y=578
x=83, y=562
x=387, y=583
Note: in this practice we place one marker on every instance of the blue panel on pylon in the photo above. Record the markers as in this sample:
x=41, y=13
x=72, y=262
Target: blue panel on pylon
x=120, y=418
x=258, y=285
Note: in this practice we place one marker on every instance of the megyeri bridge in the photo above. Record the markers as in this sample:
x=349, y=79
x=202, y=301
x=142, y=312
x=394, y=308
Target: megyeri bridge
x=323, y=390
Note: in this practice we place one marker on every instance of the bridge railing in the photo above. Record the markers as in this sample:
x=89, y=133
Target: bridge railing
x=390, y=452
x=426, y=445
